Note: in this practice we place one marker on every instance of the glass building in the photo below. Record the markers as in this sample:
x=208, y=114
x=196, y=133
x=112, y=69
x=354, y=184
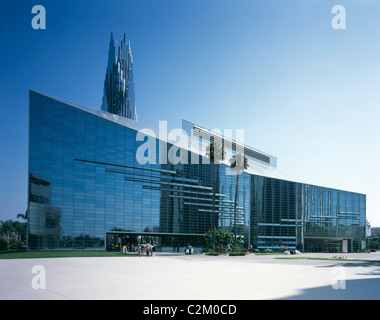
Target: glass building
x=90, y=190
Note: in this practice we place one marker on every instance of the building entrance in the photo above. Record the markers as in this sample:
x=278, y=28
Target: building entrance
x=116, y=240
x=327, y=245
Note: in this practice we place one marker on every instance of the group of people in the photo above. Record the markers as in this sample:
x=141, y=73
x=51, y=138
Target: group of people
x=129, y=248
x=141, y=249
x=146, y=249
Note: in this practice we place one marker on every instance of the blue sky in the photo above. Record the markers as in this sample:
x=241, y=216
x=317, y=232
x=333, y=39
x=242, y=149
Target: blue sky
x=301, y=90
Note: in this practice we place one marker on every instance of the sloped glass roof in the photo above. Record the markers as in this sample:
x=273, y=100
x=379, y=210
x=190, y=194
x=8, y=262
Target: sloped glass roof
x=185, y=141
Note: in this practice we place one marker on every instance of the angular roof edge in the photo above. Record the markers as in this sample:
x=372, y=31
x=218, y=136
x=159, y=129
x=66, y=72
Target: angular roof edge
x=254, y=168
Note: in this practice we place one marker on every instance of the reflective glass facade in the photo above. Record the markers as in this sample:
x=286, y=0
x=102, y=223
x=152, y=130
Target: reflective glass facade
x=85, y=185
x=306, y=217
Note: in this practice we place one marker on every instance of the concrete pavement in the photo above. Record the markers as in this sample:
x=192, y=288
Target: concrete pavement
x=178, y=276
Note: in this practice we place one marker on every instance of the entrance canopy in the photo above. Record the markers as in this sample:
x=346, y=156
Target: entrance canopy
x=327, y=244
x=162, y=241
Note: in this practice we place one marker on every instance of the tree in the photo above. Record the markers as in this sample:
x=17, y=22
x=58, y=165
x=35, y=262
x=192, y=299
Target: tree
x=3, y=244
x=23, y=216
x=239, y=163
x=215, y=152
x=13, y=230
x=20, y=228
x=223, y=240
x=218, y=238
x=6, y=229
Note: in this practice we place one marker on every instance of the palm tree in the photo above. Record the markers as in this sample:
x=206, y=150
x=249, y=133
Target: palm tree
x=215, y=152
x=23, y=216
x=239, y=163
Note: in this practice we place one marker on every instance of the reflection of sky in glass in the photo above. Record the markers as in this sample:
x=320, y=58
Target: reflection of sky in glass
x=302, y=91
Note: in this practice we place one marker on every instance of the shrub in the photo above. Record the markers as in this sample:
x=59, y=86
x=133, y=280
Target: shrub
x=3, y=244
x=15, y=244
x=237, y=253
x=212, y=253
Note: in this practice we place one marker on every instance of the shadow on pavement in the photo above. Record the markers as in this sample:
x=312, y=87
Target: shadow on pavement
x=361, y=289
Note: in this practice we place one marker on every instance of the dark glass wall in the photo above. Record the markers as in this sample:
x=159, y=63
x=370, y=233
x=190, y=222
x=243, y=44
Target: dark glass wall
x=286, y=213
x=85, y=181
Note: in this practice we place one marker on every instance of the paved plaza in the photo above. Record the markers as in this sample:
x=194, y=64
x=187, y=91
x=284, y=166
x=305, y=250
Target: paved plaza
x=177, y=276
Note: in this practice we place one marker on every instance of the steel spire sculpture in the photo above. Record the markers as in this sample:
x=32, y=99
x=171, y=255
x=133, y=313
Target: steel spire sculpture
x=119, y=91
